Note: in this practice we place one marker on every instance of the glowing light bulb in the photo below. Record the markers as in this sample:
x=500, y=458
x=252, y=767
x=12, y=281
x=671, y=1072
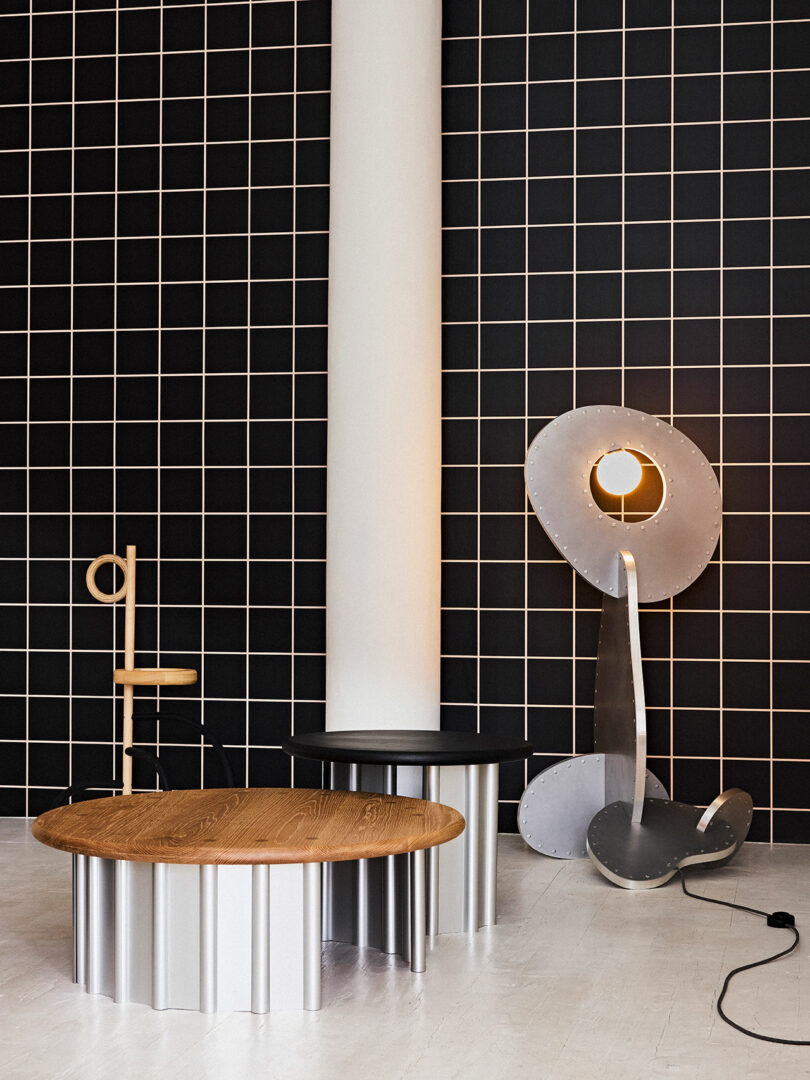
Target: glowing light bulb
x=618, y=472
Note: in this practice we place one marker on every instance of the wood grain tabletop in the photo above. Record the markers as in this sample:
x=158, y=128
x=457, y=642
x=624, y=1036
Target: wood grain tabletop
x=248, y=825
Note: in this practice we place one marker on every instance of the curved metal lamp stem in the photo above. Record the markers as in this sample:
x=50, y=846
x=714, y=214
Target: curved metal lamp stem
x=620, y=719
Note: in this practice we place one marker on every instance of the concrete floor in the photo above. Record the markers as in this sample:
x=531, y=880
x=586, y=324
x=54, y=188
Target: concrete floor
x=578, y=980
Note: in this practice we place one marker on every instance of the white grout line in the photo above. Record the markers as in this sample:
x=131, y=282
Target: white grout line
x=117, y=748
x=248, y=365
x=623, y=264
x=574, y=371
x=158, y=436
x=770, y=439
x=478, y=296
x=201, y=675
x=70, y=422
x=494, y=274
x=460, y=37
x=721, y=304
x=28, y=437
x=295, y=514
x=527, y=435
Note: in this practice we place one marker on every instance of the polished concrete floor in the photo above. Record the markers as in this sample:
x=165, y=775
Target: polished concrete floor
x=579, y=979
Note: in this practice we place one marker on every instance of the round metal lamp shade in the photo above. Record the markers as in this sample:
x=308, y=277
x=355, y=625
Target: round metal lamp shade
x=672, y=547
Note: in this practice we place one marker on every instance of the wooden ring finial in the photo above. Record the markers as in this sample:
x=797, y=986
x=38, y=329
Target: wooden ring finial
x=106, y=598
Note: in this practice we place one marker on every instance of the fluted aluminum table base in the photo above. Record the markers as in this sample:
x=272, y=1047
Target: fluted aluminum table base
x=208, y=938
x=369, y=902
x=218, y=938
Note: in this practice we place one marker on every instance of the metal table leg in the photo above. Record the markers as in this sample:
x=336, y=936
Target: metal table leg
x=390, y=881
x=417, y=927
x=432, y=791
x=489, y=845
x=95, y=925
x=121, y=942
x=327, y=931
x=260, y=943
x=160, y=936
x=208, y=939
x=362, y=909
x=312, y=936
x=79, y=919
x=471, y=906
x=406, y=871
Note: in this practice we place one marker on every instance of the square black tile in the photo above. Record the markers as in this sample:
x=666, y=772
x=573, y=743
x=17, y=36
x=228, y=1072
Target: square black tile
x=647, y=101
x=599, y=103
x=599, y=151
x=647, y=295
x=551, y=105
x=697, y=195
x=551, y=56
x=458, y=680
x=647, y=149
x=647, y=198
x=598, y=344
x=503, y=59
x=697, y=49
x=696, y=732
x=460, y=59
x=459, y=109
x=598, y=199
x=503, y=154
x=508, y=17
x=550, y=296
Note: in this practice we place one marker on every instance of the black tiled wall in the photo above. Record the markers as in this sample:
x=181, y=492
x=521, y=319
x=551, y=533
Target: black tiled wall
x=626, y=191
x=163, y=222
x=625, y=198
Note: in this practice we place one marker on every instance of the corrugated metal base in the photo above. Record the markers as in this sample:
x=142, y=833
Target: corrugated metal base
x=173, y=936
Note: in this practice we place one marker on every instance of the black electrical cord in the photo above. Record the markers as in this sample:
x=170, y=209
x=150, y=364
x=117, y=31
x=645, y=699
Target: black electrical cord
x=782, y=920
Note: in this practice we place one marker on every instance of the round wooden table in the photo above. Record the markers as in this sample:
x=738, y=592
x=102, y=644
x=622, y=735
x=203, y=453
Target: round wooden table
x=212, y=899
x=459, y=767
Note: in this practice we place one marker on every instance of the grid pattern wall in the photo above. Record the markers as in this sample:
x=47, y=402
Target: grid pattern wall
x=626, y=187
x=163, y=221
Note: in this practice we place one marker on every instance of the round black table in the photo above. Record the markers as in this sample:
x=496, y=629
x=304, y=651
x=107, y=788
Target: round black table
x=454, y=767
x=379, y=747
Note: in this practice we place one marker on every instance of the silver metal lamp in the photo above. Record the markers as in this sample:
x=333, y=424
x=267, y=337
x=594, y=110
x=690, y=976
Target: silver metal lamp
x=607, y=804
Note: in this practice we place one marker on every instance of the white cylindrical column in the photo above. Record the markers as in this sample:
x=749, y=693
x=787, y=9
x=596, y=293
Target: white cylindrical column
x=384, y=435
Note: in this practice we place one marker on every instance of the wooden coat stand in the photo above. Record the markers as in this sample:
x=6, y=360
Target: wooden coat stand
x=129, y=676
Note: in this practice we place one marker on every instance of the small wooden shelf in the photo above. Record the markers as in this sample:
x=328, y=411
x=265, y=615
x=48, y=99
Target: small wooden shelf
x=155, y=676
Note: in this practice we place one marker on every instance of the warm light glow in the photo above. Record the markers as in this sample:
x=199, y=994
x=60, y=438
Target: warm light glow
x=619, y=472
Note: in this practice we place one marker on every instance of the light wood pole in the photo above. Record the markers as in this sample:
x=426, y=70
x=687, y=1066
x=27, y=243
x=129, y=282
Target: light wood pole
x=129, y=676
x=129, y=665
x=127, y=590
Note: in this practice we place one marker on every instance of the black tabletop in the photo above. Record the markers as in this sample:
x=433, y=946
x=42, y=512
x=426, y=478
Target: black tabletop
x=378, y=747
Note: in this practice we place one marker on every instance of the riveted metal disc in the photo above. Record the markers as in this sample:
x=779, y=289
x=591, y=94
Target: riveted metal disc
x=647, y=854
x=672, y=547
x=559, y=803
